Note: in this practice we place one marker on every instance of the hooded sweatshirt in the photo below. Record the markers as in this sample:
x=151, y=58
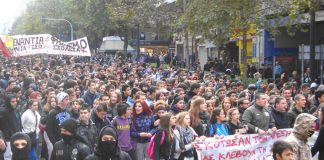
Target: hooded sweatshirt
x=108, y=150
x=298, y=139
x=23, y=153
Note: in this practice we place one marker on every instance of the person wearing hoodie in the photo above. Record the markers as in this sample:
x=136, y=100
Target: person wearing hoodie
x=71, y=146
x=107, y=148
x=90, y=95
x=303, y=129
x=10, y=120
x=56, y=117
x=20, y=145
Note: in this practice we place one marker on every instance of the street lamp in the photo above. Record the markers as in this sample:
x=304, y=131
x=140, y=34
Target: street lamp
x=53, y=19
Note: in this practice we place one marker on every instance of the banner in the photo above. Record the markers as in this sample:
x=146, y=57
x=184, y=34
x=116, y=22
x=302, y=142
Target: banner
x=243, y=147
x=46, y=44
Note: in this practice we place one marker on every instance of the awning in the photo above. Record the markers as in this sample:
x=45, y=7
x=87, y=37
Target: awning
x=114, y=45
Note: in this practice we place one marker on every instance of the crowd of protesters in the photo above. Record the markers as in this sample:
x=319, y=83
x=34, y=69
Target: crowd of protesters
x=61, y=108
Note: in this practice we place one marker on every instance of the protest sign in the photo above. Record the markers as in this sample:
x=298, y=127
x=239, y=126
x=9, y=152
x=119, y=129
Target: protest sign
x=242, y=147
x=46, y=44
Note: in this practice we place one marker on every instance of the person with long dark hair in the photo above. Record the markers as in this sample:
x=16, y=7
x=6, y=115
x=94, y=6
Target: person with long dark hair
x=142, y=127
x=319, y=145
x=164, y=150
x=218, y=127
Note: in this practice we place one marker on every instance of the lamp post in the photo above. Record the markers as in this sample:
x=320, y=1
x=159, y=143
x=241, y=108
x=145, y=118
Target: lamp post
x=53, y=19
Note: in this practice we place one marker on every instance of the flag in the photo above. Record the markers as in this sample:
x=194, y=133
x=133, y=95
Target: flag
x=4, y=50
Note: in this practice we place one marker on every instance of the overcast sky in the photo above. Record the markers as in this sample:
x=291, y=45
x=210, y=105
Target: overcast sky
x=9, y=10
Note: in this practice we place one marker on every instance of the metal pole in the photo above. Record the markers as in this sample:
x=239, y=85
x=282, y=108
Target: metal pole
x=274, y=68
x=302, y=63
x=321, y=58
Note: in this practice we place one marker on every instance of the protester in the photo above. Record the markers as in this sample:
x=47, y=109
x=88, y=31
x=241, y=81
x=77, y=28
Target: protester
x=99, y=117
x=318, y=146
x=279, y=113
x=122, y=124
x=56, y=117
x=199, y=117
x=234, y=125
x=258, y=119
x=108, y=146
x=71, y=146
x=20, y=146
x=184, y=137
x=303, y=129
x=30, y=120
x=296, y=109
x=164, y=150
x=217, y=126
x=282, y=150
x=142, y=128
x=2, y=145
x=10, y=121
x=86, y=128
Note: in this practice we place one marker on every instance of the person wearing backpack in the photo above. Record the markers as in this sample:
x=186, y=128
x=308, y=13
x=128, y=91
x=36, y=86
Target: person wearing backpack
x=163, y=141
x=184, y=138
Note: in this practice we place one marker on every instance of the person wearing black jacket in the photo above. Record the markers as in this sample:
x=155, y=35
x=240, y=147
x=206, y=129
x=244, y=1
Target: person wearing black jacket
x=318, y=146
x=10, y=120
x=2, y=146
x=279, y=113
x=99, y=117
x=86, y=128
x=56, y=117
x=108, y=146
x=71, y=146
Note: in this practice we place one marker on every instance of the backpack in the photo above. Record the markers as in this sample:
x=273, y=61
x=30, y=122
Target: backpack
x=150, y=147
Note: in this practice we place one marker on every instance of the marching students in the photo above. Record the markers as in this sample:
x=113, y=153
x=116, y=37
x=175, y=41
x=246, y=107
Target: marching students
x=184, y=137
x=164, y=151
x=142, y=128
x=30, y=120
x=71, y=146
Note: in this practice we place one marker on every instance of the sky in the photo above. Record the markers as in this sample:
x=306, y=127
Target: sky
x=9, y=10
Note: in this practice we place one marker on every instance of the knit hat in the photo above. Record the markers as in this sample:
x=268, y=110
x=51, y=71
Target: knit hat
x=60, y=96
x=159, y=105
x=70, y=125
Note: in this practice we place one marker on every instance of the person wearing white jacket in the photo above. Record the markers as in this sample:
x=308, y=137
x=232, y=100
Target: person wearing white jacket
x=30, y=120
x=184, y=138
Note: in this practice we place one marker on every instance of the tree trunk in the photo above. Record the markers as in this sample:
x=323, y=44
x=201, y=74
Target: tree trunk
x=125, y=42
x=244, y=53
x=312, y=44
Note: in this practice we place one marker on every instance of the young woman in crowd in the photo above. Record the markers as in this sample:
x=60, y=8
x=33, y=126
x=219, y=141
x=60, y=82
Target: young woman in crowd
x=199, y=116
x=29, y=122
x=210, y=107
x=50, y=104
x=184, y=138
x=160, y=108
x=234, y=125
x=218, y=126
x=164, y=150
x=226, y=105
x=178, y=105
x=142, y=127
